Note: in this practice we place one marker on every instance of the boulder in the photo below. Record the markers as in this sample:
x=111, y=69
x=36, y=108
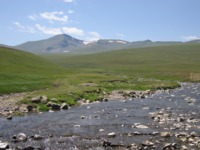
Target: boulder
x=29, y=107
x=64, y=106
x=53, y=106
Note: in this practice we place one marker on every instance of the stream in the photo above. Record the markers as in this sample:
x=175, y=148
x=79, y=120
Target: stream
x=169, y=120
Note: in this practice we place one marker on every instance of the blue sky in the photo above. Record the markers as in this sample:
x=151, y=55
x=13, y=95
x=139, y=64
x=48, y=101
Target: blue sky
x=131, y=20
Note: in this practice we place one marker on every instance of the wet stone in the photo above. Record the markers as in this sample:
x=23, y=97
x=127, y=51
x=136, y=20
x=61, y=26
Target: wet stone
x=102, y=130
x=165, y=134
x=37, y=137
x=106, y=143
x=112, y=134
x=29, y=107
x=4, y=145
x=64, y=106
x=83, y=117
x=193, y=134
x=147, y=143
x=9, y=118
x=22, y=137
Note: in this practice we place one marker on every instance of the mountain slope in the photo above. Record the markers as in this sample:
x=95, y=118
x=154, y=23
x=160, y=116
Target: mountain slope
x=58, y=43
x=64, y=43
x=22, y=71
x=164, y=62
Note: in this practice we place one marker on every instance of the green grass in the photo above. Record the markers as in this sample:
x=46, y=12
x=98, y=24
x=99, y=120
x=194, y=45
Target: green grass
x=64, y=77
x=167, y=62
x=22, y=71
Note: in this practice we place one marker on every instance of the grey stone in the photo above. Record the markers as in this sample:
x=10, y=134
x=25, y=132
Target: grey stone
x=29, y=107
x=64, y=106
x=106, y=143
x=36, y=99
x=112, y=134
x=54, y=106
x=147, y=143
x=22, y=137
x=37, y=137
x=193, y=134
x=167, y=146
x=44, y=99
x=4, y=145
x=165, y=134
x=9, y=118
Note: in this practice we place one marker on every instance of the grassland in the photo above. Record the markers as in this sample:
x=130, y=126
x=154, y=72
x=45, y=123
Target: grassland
x=167, y=63
x=71, y=78
x=22, y=71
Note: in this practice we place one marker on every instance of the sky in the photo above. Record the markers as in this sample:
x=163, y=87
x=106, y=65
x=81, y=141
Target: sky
x=131, y=20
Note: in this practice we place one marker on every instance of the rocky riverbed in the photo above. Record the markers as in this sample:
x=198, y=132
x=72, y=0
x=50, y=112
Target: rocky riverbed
x=165, y=120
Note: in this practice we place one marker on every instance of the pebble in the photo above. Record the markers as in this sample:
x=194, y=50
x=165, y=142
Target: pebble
x=82, y=117
x=147, y=143
x=165, y=134
x=102, y=130
x=22, y=137
x=112, y=134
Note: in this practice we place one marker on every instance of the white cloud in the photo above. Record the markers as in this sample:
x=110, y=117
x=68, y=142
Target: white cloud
x=73, y=30
x=70, y=11
x=23, y=28
x=68, y=1
x=50, y=31
x=93, y=36
x=189, y=38
x=54, y=16
x=33, y=17
x=62, y=30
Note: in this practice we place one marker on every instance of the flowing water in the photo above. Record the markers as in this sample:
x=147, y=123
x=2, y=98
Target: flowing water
x=87, y=126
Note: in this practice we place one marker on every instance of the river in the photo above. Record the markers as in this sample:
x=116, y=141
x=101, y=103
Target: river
x=149, y=123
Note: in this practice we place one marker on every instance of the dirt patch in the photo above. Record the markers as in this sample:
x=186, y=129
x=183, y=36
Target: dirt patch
x=194, y=77
x=9, y=103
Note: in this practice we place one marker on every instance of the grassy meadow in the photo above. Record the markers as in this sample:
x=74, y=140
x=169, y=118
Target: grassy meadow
x=69, y=78
x=22, y=71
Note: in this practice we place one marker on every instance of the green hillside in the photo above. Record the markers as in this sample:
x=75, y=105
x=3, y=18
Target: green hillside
x=178, y=62
x=70, y=77
x=22, y=71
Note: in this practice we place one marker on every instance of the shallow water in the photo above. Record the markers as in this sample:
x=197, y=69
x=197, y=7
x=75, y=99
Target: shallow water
x=66, y=129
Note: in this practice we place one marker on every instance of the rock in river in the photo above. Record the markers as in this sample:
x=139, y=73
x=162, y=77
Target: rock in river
x=22, y=137
x=112, y=134
x=64, y=106
x=4, y=146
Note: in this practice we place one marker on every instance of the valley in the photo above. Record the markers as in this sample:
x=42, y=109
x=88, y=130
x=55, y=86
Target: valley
x=107, y=98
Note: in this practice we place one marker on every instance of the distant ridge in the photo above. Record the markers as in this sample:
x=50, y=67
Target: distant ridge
x=64, y=43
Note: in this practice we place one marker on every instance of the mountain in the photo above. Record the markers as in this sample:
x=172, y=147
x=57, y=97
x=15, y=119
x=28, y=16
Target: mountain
x=194, y=41
x=64, y=43
x=58, y=43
